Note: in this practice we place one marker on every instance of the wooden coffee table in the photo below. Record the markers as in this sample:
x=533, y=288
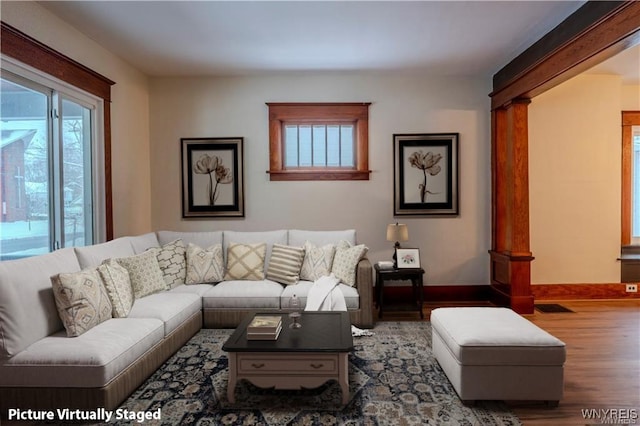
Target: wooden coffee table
x=301, y=358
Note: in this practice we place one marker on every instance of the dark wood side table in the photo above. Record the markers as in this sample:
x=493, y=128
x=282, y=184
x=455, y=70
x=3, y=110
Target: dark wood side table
x=414, y=275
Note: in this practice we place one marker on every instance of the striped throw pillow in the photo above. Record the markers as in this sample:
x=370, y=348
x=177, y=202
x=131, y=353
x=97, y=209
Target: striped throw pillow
x=285, y=264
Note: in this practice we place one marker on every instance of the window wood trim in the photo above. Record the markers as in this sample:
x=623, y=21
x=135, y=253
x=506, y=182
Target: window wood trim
x=357, y=113
x=629, y=119
x=30, y=51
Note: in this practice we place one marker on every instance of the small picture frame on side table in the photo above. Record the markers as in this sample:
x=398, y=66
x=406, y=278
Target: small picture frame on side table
x=408, y=258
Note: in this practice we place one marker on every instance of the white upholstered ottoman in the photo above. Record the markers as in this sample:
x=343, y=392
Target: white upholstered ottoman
x=495, y=354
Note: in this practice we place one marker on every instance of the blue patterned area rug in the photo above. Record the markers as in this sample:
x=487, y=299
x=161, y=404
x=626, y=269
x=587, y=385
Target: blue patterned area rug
x=393, y=380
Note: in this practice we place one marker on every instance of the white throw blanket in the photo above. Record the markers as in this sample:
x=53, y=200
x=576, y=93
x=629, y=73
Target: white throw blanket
x=325, y=295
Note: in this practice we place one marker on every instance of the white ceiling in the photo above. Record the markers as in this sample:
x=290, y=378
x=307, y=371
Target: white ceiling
x=625, y=64
x=188, y=38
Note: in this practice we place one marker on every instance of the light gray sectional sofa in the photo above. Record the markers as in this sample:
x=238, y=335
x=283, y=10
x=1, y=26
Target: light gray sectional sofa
x=42, y=368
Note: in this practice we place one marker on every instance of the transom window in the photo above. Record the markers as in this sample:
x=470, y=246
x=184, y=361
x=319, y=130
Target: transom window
x=318, y=141
x=319, y=145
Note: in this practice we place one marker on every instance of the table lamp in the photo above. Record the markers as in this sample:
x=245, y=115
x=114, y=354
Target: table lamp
x=397, y=232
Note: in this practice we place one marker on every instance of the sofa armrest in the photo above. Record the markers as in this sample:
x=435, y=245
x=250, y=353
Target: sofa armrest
x=364, y=284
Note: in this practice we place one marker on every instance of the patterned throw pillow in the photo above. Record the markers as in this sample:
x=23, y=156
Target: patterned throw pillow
x=317, y=261
x=118, y=285
x=245, y=261
x=204, y=265
x=173, y=264
x=144, y=273
x=285, y=263
x=81, y=300
x=346, y=260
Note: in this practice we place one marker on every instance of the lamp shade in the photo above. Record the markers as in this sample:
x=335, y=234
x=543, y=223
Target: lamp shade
x=397, y=232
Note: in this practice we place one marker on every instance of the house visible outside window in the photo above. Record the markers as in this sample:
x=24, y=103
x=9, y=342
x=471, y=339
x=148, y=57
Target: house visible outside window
x=318, y=141
x=50, y=152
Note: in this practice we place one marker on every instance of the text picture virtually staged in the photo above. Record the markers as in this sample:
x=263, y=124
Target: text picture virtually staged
x=286, y=213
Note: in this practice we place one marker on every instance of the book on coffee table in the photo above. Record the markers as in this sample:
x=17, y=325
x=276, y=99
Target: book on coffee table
x=262, y=323
x=264, y=335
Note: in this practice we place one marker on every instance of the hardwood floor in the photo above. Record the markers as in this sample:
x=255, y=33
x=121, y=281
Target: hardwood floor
x=602, y=370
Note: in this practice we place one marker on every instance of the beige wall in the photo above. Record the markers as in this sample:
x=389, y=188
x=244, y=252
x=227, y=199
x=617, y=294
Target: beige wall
x=149, y=116
x=129, y=110
x=575, y=154
x=453, y=250
x=631, y=97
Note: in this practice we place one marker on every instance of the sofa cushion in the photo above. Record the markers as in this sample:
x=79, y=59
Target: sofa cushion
x=345, y=261
x=27, y=308
x=90, y=360
x=173, y=309
x=94, y=255
x=199, y=289
x=204, y=265
x=144, y=273
x=144, y=242
x=243, y=295
x=317, y=261
x=301, y=290
x=495, y=336
x=116, y=280
x=268, y=237
x=202, y=239
x=285, y=264
x=172, y=259
x=245, y=261
x=81, y=299
x=298, y=237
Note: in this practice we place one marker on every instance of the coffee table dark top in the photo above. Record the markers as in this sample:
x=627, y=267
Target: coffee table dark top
x=320, y=332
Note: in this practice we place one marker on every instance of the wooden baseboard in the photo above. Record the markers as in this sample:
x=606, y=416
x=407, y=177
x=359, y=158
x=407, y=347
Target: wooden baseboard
x=482, y=293
x=441, y=293
x=581, y=291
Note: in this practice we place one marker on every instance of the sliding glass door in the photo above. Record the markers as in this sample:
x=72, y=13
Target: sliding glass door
x=45, y=168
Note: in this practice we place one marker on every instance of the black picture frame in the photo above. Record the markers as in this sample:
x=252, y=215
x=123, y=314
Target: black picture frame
x=212, y=177
x=430, y=158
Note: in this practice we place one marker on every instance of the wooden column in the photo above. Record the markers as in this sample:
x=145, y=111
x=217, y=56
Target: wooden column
x=595, y=32
x=510, y=254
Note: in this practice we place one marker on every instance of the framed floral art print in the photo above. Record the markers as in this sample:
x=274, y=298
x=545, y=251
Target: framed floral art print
x=408, y=258
x=212, y=177
x=425, y=174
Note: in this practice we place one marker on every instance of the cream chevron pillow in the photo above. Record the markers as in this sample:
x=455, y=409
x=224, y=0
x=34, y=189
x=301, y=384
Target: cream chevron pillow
x=317, y=261
x=245, y=261
x=204, y=265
